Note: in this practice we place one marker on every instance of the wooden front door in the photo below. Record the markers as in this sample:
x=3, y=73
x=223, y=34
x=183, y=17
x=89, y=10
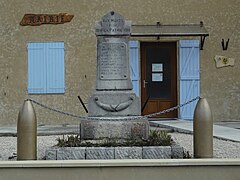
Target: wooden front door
x=159, y=78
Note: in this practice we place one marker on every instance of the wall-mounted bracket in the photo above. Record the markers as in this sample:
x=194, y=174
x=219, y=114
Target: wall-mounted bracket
x=202, y=42
x=225, y=46
x=158, y=25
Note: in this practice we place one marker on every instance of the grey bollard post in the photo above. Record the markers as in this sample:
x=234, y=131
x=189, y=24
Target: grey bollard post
x=203, y=130
x=27, y=133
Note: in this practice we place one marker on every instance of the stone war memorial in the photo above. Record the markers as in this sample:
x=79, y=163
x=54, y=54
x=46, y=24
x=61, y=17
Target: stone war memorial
x=114, y=109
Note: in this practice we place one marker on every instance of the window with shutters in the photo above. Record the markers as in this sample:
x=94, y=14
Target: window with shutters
x=46, y=68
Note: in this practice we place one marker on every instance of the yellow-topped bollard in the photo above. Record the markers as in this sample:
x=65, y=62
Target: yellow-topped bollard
x=27, y=132
x=203, y=130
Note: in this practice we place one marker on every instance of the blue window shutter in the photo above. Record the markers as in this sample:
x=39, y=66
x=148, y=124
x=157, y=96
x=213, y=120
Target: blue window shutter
x=55, y=67
x=189, y=76
x=36, y=70
x=46, y=67
x=134, y=65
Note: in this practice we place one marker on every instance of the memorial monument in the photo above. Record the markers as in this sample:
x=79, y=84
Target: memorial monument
x=114, y=109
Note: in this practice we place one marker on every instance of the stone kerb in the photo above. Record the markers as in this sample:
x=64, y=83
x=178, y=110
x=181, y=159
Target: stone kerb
x=145, y=152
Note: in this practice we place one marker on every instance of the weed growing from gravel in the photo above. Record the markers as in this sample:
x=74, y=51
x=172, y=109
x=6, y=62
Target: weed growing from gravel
x=156, y=138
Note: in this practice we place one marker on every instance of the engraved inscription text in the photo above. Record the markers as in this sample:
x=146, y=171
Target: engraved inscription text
x=112, y=64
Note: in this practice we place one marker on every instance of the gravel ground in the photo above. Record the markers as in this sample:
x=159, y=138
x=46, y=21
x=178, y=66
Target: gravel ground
x=9, y=146
x=222, y=148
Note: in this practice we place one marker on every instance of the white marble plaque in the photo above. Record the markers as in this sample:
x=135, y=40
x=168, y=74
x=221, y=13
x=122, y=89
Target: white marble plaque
x=223, y=61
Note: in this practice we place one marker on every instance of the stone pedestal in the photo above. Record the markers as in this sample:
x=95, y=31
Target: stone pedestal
x=119, y=129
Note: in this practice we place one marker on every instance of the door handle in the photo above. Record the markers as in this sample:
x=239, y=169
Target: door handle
x=144, y=83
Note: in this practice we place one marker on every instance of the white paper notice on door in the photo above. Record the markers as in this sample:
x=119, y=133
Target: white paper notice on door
x=157, y=77
x=157, y=67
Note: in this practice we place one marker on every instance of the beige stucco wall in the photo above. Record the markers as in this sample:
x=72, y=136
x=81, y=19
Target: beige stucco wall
x=220, y=17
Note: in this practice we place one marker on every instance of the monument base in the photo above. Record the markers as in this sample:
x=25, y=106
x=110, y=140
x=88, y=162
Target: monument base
x=119, y=129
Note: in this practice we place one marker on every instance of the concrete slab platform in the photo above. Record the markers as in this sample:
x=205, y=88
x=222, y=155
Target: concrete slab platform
x=222, y=132
x=44, y=130
x=231, y=124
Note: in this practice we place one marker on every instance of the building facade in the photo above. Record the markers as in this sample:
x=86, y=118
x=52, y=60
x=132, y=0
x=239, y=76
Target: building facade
x=55, y=62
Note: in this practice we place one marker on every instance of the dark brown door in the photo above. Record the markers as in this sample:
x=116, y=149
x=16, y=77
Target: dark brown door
x=159, y=78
